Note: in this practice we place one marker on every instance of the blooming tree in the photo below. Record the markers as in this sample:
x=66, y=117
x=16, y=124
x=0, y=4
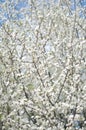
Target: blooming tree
x=43, y=67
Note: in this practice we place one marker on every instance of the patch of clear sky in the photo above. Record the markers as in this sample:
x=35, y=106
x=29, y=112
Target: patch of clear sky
x=24, y=3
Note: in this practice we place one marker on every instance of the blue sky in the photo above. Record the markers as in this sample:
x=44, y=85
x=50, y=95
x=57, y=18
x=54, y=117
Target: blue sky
x=24, y=3
x=21, y=4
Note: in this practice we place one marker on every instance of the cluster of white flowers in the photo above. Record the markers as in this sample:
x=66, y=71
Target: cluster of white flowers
x=43, y=69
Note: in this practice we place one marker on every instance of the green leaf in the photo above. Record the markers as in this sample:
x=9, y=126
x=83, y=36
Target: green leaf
x=30, y=87
x=0, y=116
